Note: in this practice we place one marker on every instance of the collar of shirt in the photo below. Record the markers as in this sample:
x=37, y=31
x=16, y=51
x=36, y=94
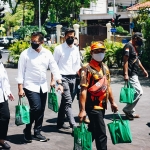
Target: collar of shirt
x=67, y=46
x=34, y=51
x=95, y=65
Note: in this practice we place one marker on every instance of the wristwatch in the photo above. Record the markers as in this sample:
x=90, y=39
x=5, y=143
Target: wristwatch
x=60, y=84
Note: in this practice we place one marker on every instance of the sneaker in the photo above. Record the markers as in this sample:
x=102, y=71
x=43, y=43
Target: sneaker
x=27, y=136
x=136, y=116
x=129, y=116
x=40, y=137
x=64, y=126
x=5, y=145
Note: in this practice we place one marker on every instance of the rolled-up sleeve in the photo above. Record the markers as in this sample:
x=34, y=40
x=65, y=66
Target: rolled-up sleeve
x=54, y=68
x=21, y=68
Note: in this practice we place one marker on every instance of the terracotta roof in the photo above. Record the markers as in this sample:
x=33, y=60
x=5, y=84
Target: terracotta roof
x=139, y=5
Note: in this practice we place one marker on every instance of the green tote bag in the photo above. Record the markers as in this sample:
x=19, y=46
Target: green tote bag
x=53, y=100
x=127, y=94
x=120, y=131
x=22, y=115
x=82, y=138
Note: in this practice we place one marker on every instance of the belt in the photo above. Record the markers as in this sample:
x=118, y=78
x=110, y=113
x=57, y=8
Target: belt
x=70, y=76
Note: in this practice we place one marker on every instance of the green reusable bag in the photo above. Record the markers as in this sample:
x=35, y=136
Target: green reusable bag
x=22, y=115
x=127, y=94
x=120, y=131
x=82, y=138
x=53, y=100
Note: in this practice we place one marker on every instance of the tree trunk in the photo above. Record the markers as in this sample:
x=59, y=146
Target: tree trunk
x=36, y=14
x=44, y=11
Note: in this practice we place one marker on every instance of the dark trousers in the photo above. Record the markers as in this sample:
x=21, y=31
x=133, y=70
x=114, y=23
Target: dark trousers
x=37, y=102
x=98, y=129
x=4, y=119
x=66, y=100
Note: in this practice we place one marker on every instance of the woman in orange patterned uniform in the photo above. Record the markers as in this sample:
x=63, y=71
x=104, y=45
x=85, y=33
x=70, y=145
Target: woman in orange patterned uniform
x=95, y=90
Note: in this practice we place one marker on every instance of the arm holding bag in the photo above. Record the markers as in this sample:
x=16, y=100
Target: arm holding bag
x=127, y=93
x=82, y=138
x=120, y=131
x=53, y=100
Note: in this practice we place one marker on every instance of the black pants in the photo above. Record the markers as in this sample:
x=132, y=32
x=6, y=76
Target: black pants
x=98, y=129
x=37, y=102
x=4, y=119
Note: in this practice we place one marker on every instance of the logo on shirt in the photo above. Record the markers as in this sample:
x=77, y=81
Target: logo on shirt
x=98, y=84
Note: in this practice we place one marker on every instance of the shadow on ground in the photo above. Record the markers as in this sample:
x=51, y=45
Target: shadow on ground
x=53, y=128
x=148, y=124
x=16, y=139
x=111, y=117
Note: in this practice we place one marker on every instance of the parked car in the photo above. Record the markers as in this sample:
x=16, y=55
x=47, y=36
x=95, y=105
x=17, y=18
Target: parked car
x=6, y=41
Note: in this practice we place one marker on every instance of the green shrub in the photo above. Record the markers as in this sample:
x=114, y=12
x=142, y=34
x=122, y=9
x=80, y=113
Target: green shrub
x=51, y=48
x=113, y=53
x=16, y=49
x=121, y=31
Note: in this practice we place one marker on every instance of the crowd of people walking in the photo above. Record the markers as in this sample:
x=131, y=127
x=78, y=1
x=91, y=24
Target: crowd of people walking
x=72, y=78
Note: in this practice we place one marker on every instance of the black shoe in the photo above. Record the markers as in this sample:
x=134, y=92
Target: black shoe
x=64, y=126
x=40, y=138
x=27, y=136
x=128, y=115
x=5, y=145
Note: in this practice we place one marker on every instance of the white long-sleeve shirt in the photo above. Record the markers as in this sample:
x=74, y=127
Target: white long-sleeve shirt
x=67, y=58
x=32, y=68
x=4, y=84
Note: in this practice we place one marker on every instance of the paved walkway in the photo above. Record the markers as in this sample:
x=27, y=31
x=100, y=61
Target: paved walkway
x=62, y=140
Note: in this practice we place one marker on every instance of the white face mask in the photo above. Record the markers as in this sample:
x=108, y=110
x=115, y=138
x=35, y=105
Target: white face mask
x=98, y=57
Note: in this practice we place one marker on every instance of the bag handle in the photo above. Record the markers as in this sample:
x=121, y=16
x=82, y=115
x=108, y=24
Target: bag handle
x=52, y=90
x=21, y=101
x=83, y=127
x=114, y=118
x=127, y=84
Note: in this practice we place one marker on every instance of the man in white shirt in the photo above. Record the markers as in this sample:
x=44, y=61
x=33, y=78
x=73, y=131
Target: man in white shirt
x=5, y=94
x=68, y=60
x=32, y=82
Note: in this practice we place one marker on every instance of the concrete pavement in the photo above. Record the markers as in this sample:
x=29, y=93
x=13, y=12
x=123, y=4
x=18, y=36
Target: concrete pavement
x=62, y=140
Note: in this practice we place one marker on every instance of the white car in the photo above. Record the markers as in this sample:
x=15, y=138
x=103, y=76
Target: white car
x=5, y=41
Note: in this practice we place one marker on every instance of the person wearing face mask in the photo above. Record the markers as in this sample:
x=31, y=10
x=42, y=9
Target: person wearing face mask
x=32, y=82
x=68, y=59
x=130, y=72
x=5, y=95
x=94, y=103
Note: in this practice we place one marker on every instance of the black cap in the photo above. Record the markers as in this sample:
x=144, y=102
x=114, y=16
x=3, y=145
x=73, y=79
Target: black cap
x=137, y=35
x=68, y=30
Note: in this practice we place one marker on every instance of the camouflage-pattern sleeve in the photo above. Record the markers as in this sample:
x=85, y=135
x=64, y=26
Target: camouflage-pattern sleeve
x=83, y=77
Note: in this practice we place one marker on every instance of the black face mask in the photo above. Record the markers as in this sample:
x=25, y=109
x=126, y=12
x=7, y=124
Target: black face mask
x=69, y=41
x=34, y=45
x=139, y=43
